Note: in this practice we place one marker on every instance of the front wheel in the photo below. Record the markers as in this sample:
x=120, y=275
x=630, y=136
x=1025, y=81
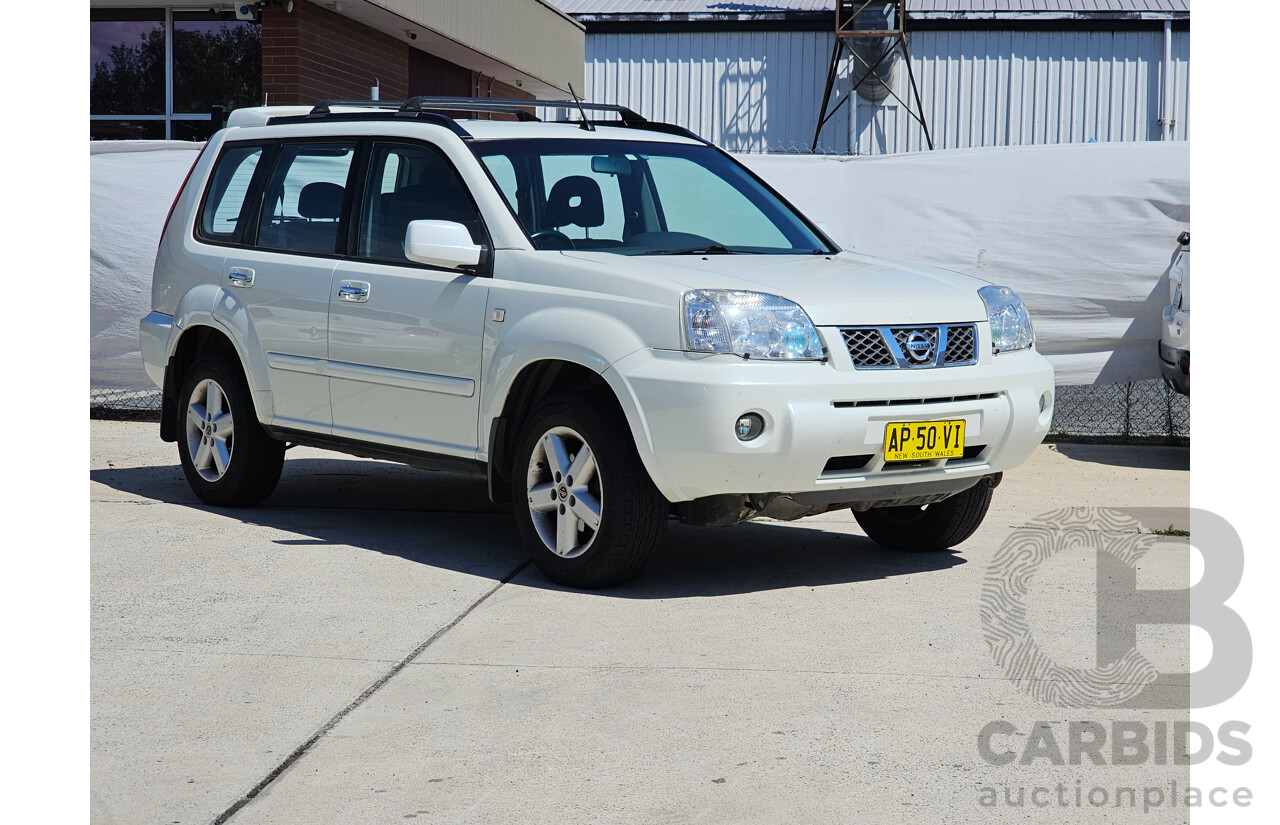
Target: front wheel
x=590, y=514
x=228, y=459
x=929, y=527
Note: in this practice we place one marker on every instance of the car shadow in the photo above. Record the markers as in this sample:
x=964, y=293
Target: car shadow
x=447, y=521
x=1123, y=455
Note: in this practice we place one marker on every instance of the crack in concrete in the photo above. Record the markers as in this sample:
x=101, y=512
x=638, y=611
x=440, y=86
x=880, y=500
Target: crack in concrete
x=302, y=749
x=697, y=669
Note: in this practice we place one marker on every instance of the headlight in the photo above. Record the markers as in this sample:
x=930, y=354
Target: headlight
x=1010, y=323
x=750, y=324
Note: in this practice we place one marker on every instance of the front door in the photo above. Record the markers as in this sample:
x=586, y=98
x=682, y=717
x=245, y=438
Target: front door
x=405, y=340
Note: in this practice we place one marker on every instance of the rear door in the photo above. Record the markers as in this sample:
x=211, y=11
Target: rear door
x=285, y=272
x=405, y=339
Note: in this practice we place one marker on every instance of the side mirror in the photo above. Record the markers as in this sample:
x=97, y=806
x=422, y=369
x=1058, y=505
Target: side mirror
x=440, y=243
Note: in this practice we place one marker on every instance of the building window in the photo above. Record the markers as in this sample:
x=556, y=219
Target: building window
x=158, y=73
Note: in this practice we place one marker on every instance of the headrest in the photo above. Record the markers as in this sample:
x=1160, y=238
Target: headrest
x=320, y=200
x=575, y=200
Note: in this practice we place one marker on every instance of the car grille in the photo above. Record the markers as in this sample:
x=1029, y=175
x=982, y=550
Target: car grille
x=920, y=347
x=867, y=348
x=962, y=346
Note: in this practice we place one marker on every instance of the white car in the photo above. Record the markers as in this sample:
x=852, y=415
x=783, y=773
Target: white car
x=1175, y=334
x=612, y=320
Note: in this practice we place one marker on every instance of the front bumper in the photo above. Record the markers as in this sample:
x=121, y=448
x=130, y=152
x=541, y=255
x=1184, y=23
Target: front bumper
x=824, y=422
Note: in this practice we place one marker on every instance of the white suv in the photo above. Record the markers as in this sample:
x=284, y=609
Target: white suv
x=610, y=319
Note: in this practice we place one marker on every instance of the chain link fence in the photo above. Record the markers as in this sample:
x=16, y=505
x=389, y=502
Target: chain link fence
x=1144, y=411
x=124, y=404
x=1137, y=412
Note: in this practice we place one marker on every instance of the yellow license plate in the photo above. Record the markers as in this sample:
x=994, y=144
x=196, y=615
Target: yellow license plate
x=923, y=440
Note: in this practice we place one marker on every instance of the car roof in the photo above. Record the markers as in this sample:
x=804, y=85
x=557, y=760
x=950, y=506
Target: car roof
x=479, y=129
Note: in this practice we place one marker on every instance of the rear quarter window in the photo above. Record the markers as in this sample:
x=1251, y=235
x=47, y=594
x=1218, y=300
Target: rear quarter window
x=226, y=204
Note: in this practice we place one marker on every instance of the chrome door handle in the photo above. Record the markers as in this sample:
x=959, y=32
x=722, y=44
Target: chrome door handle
x=240, y=276
x=357, y=292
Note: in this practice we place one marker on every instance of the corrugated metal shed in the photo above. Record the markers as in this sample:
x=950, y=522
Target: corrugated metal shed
x=1015, y=88
x=682, y=7
x=756, y=91
x=996, y=80
x=746, y=91
x=1034, y=6
x=689, y=6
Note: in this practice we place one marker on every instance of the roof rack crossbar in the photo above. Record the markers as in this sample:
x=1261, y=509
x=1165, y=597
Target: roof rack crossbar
x=485, y=104
x=429, y=108
x=323, y=107
x=469, y=104
x=512, y=106
x=388, y=109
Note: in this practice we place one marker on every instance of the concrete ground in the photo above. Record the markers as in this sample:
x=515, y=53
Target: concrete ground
x=370, y=647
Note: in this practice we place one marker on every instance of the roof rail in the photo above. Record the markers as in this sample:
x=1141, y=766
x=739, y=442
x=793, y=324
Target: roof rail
x=428, y=109
x=517, y=106
x=390, y=109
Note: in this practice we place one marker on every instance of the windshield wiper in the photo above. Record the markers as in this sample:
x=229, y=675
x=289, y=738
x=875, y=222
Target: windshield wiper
x=711, y=249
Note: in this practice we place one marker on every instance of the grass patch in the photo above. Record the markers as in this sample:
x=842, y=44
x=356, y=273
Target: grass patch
x=1171, y=531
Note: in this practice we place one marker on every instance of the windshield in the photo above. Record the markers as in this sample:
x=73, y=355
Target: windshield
x=641, y=198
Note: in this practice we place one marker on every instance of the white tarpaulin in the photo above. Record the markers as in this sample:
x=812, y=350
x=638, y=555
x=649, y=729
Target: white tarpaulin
x=1083, y=232
x=131, y=186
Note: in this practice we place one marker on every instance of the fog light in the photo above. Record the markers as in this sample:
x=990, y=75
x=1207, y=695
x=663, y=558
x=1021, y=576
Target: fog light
x=749, y=426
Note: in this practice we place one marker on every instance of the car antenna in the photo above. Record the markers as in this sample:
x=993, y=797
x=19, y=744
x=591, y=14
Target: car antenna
x=586, y=124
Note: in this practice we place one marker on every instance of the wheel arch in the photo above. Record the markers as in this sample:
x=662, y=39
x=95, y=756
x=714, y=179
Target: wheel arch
x=534, y=382
x=193, y=343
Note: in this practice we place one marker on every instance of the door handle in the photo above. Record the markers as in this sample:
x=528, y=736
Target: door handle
x=357, y=292
x=240, y=276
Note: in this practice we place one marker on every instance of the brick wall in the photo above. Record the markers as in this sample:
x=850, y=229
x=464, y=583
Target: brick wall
x=314, y=54
x=500, y=89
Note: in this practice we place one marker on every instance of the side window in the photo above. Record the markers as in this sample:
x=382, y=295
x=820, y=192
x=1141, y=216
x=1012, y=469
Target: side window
x=581, y=203
x=302, y=207
x=689, y=192
x=225, y=207
x=410, y=182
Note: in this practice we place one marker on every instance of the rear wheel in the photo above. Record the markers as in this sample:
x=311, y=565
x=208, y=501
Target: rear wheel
x=929, y=527
x=584, y=503
x=228, y=459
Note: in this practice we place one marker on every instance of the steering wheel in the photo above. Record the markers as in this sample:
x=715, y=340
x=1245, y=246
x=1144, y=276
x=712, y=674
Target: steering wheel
x=551, y=239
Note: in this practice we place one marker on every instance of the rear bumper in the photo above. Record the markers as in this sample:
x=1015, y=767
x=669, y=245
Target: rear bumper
x=824, y=422
x=1175, y=367
x=154, y=334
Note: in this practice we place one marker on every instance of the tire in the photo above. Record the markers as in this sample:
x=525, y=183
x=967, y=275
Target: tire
x=931, y=527
x=592, y=534
x=236, y=466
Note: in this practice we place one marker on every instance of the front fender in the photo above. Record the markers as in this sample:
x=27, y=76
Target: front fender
x=579, y=336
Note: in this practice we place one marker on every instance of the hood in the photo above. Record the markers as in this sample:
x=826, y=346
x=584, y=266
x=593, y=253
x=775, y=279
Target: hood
x=846, y=289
